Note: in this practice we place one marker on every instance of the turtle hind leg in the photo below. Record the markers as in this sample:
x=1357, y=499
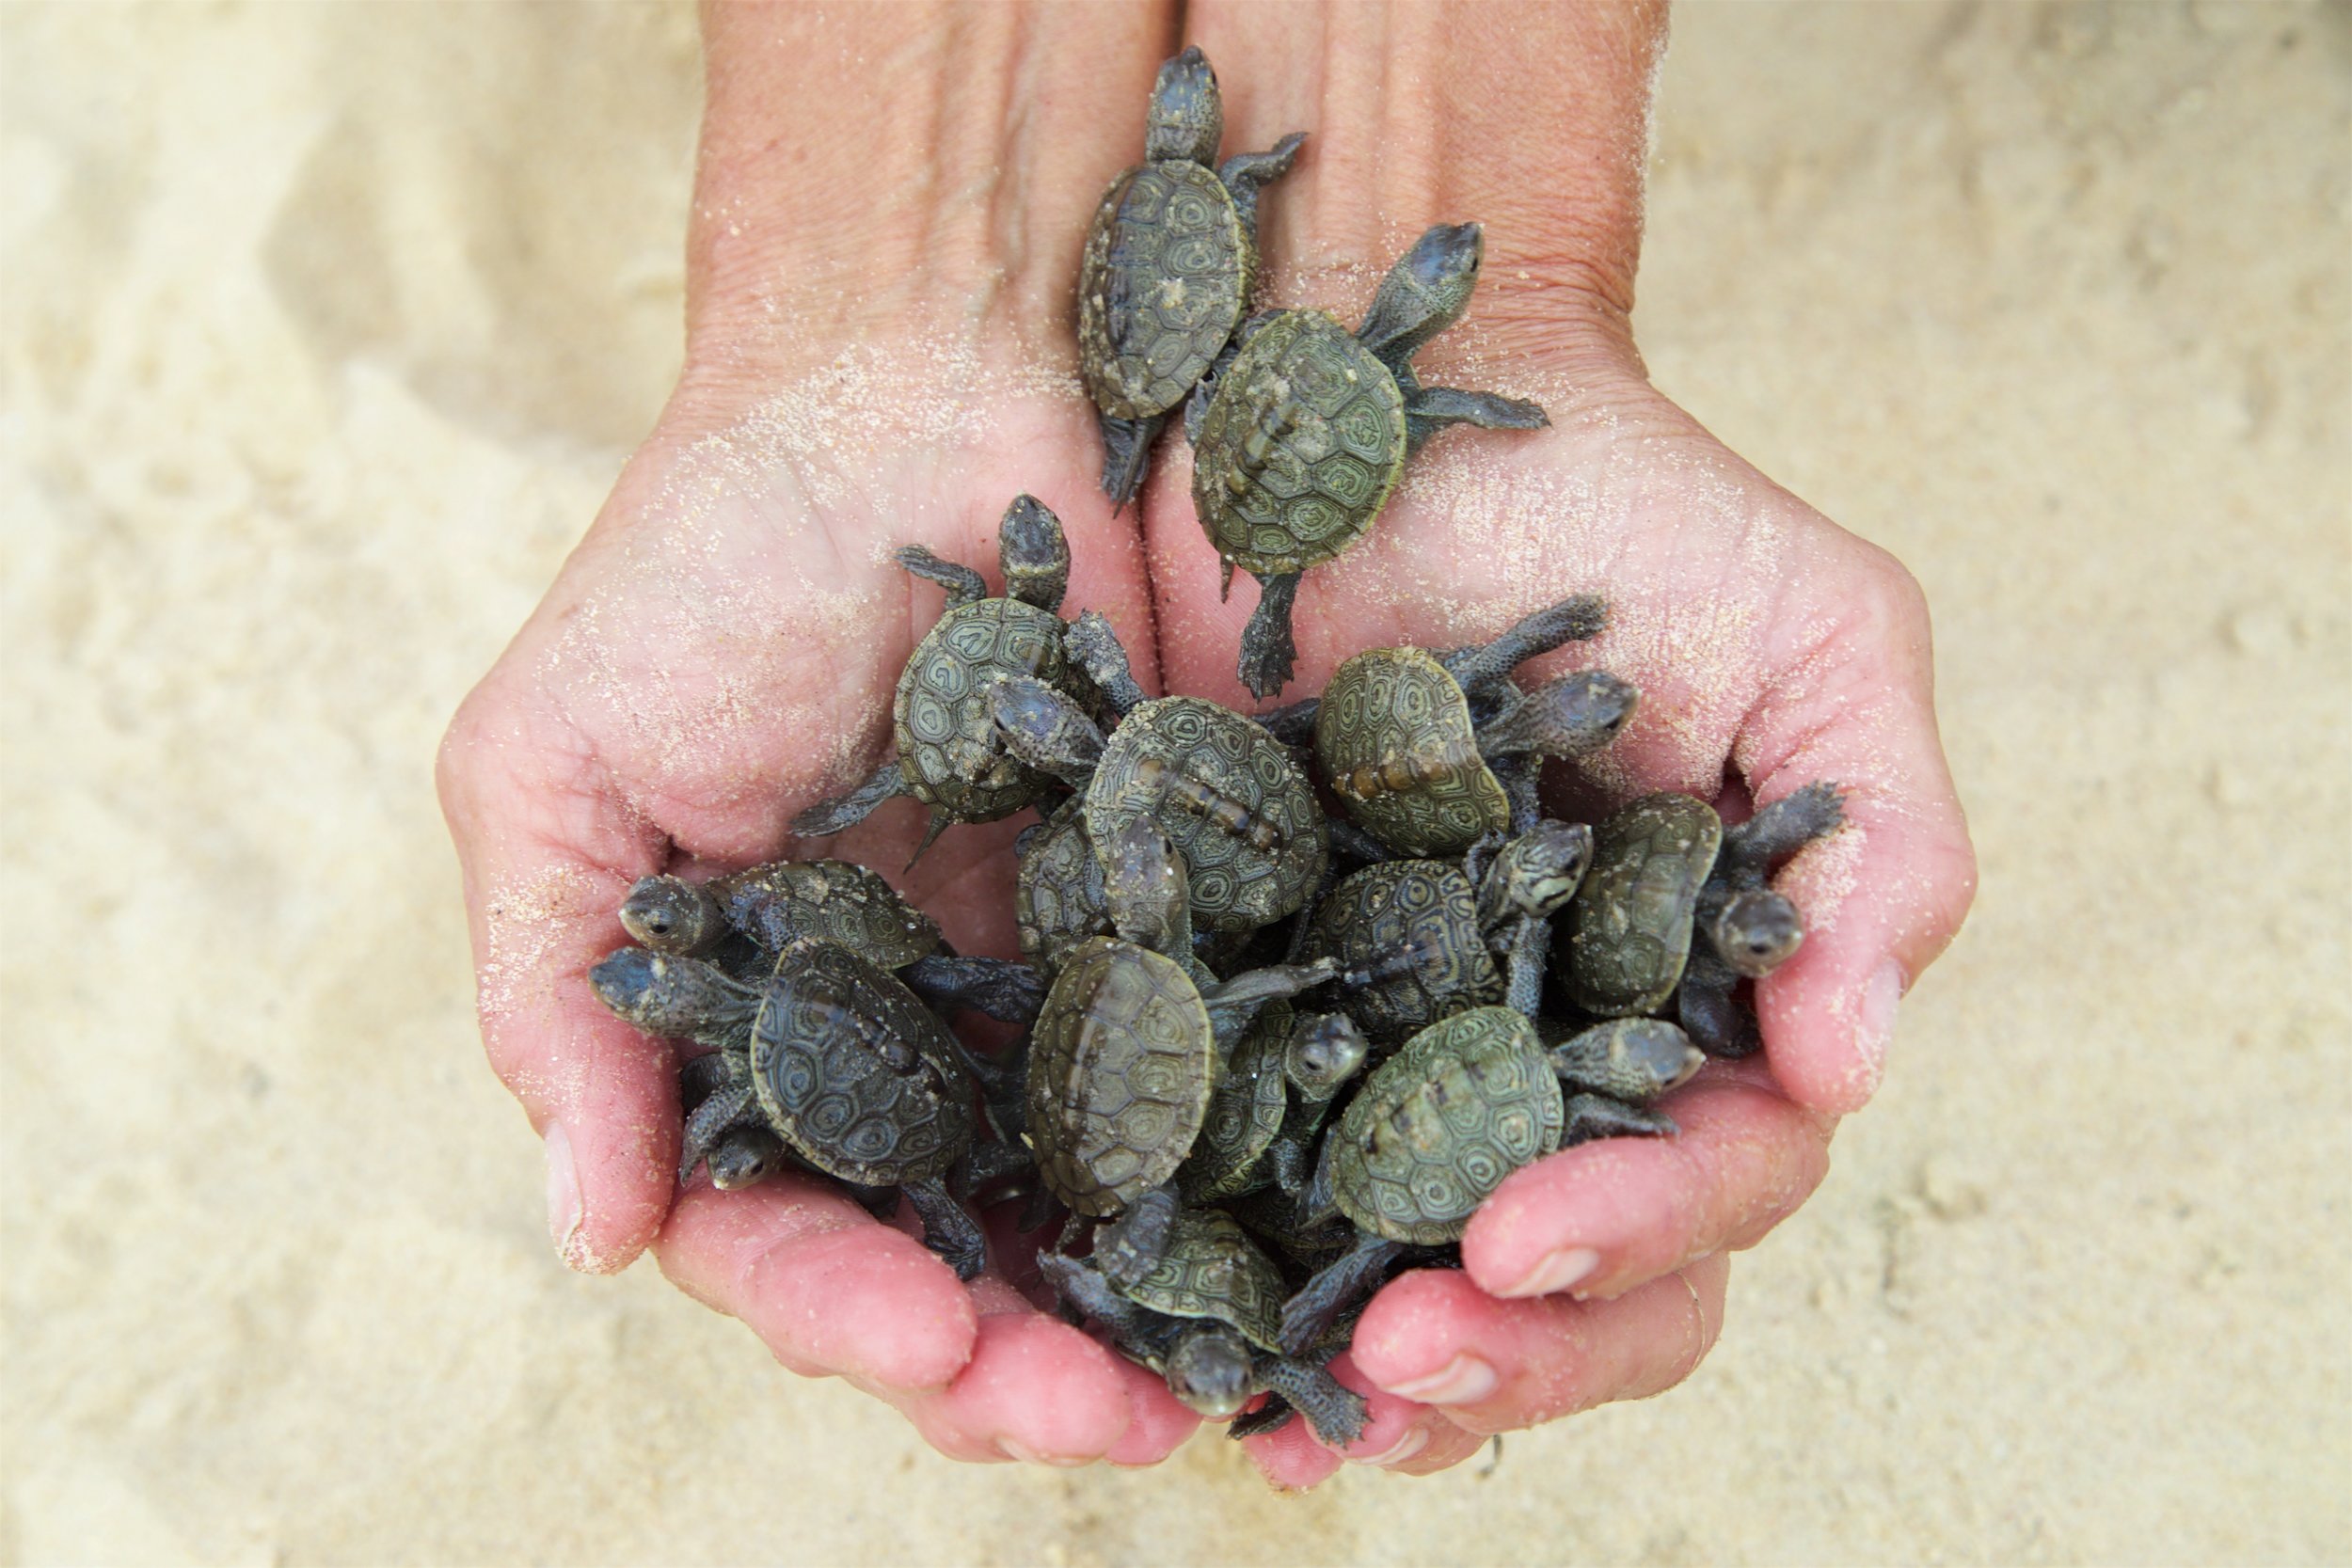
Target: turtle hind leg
x=1336, y=1412
x=1334, y=1289
x=1127, y=455
x=1133, y=1245
x=947, y=1230
x=1267, y=652
x=828, y=817
x=1009, y=991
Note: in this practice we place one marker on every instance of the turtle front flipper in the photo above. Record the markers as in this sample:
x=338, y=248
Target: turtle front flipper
x=1587, y=1116
x=1246, y=173
x=843, y=812
x=1133, y=1245
x=1578, y=618
x=1273, y=1416
x=1127, y=455
x=1337, y=1412
x=1094, y=646
x=1009, y=991
x=1430, y=409
x=947, y=1230
x=730, y=1106
x=1710, y=1011
x=1334, y=1289
x=1267, y=652
x=1780, y=830
x=964, y=585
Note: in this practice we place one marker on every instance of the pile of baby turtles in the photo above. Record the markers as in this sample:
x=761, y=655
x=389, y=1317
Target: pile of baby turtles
x=1297, y=989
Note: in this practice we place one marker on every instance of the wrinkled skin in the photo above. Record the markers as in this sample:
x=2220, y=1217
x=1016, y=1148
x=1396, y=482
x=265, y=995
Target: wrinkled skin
x=678, y=694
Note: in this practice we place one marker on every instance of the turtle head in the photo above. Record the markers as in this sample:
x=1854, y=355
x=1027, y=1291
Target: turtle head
x=1565, y=717
x=1033, y=554
x=1539, y=871
x=1209, y=1370
x=745, y=1157
x=1186, y=120
x=1632, y=1059
x=1144, y=883
x=1043, y=728
x=1426, y=293
x=1757, y=931
x=664, y=996
x=671, y=915
x=1324, y=1053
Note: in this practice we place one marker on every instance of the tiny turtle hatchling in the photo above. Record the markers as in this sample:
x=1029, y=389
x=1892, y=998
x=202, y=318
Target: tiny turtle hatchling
x=1264, y=1113
x=1237, y=807
x=1168, y=266
x=1300, y=436
x=775, y=905
x=949, y=757
x=842, y=1062
x=1206, y=1317
x=1405, y=737
x=1460, y=1106
x=1665, y=868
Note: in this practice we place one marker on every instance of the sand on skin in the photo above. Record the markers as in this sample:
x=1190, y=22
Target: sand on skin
x=325, y=332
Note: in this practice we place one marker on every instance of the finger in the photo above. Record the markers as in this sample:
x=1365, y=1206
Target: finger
x=546, y=857
x=1492, y=1366
x=827, y=1288
x=1158, y=1422
x=1291, y=1459
x=1603, y=1217
x=1883, y=896
x=1036, y=1390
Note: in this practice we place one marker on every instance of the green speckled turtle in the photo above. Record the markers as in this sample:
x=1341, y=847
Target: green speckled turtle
x=1438, y=1125
x=1264, y=1113
x=1666, y=871
x=1168, y=266
x=1301, y=434
x=835, y=1056
x=1237, y=807
x=1058, y=898
x=1405, y=737
x=1416, y=939
x=947, y=757
x=1206, y=1317
x=1132, y=1039
x=771, y=907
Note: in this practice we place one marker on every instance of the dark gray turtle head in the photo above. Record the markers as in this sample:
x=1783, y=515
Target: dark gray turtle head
x=1426, y=293
x=665, y=995
x=1631, y=1059
x=1209, y=1370
x=1324, y=1053
x=1539, y=871
x=1033, y=554
x=1044, y=728
x=1571, y=715
x=671, y=915
x=1186, y=120
x=1757, y=932
x=1144, y=883
x=744, y=1158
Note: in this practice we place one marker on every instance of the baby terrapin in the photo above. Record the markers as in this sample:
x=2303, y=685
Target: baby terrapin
x=1665, y=868
x=1302, y=435
x=1405, y=737
x=773, y=906
x=1460, y=1106
x=949, y=757
x=1206, y=1317
x=835, y=1056
x=1168, y=266
x=1266, y=1112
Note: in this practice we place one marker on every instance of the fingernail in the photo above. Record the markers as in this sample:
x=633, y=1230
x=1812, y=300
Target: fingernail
x=1022, y=1453
x=1874, y=1021
x=1554, y=1272
x=1400, y=1450
x=564, y=1205
x=1463, y=1380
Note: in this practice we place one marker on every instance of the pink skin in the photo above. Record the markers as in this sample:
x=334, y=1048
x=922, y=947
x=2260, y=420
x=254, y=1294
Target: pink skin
x=720, y=649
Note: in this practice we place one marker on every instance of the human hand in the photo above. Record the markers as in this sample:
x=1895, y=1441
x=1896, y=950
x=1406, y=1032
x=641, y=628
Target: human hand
x=874, y=360
x=1770, y=648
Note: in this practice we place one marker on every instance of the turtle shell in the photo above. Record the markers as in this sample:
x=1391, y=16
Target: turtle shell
x=1462, y=1105
x=1394, y=736
x=1119, y=1070
x=1231, y=800
x=834, y=901
x=1299, y=447
x=855, y=1073
x=1212, y=1270
x=1245, y=1110
x=1167, y=269
x=1426, y=907
x=1627, y=933
x=947, y=743
x=1058, y=899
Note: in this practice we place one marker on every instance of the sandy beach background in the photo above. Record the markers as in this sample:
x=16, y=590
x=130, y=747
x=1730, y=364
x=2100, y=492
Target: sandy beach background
x=326, y=330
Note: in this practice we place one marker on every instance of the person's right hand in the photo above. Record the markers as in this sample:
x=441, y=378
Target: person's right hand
x=720, y=650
